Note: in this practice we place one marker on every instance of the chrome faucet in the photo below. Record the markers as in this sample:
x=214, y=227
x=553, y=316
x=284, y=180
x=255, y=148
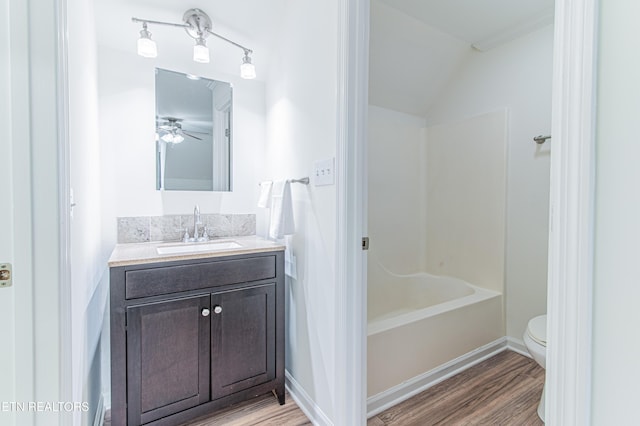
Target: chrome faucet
x=196, y=234
x=196, y=222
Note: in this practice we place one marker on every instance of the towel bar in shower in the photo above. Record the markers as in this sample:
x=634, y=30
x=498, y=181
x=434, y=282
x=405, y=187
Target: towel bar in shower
x=541, y=139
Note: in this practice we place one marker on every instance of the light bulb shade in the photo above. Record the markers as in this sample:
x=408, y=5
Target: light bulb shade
x=172, y=137
x=247, y=69
x=201, y=51
x=146, y=47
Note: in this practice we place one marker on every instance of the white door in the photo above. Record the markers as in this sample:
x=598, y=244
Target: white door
x=29, y=312
x=7, y=304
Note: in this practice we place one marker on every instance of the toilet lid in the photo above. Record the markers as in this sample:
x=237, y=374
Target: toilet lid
x=537, y=329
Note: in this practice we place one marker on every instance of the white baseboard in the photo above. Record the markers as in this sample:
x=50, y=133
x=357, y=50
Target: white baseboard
x=518, y=346
x=107, y=400
x=304, y=401
x=101, y=409
x=395, y=395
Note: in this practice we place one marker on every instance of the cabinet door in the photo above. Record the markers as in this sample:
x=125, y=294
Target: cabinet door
x=168, y=356
x=243, y=339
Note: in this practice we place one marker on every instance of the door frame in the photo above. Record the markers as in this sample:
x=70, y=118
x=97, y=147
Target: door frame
x=572, y=193
x=571, y=218
x=350, y=403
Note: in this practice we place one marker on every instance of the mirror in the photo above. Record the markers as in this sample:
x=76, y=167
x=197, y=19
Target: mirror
x=193, y=133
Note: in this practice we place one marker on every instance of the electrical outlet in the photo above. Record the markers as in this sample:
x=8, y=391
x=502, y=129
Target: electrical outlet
x=323, y=172
x=5, y=275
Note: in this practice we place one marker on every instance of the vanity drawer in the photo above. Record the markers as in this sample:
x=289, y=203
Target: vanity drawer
x=172, y=279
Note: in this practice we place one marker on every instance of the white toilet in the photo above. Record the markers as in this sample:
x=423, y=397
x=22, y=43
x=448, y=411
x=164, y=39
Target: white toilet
x=535, y=338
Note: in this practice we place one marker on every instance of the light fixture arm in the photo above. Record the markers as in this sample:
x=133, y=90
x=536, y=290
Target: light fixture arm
x=191, y=16
x=197, y=25
x=148, y=21
x=247, y=51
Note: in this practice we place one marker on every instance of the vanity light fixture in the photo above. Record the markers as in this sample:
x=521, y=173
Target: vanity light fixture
x=201, y=51
x=197, y=24
x=146, y=47
x=247, y=70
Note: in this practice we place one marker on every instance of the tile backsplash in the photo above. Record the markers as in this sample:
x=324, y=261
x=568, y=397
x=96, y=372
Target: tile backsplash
x=171, y=228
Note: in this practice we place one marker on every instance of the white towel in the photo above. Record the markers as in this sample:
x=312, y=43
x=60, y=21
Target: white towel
x=290, y=266
x=265, y=194
x=281, y=211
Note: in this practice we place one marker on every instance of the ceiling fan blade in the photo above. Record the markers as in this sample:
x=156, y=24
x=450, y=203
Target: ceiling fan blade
x=195, y=132
x=190, y=135
x=170, y=119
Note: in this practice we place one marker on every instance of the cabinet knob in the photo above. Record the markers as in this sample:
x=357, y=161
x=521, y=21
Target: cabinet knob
x=217, y=309
x=205, y=312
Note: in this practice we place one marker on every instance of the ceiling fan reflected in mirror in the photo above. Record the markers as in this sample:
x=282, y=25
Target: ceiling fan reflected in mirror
x=169, y=130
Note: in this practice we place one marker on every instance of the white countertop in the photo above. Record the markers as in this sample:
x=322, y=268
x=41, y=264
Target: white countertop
x=139, y=253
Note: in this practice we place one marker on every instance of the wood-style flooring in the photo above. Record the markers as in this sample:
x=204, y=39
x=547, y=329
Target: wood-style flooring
x=263, y=410
x=503, y=390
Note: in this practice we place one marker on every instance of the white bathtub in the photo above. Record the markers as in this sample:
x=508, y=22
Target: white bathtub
x=419, y=322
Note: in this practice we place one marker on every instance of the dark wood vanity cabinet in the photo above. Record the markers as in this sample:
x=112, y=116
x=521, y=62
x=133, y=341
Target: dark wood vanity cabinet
x=243, y=339
x=217, y=341
x=168, y=347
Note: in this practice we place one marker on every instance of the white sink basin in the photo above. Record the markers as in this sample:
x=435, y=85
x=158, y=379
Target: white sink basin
x=197, y=247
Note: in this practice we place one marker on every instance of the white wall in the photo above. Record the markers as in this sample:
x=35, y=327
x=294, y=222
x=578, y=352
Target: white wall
x=301, y=128
x=616, y=348
x=465, y=198
x=396, y=207
x=127, y=125
x=409, y=62
x=516, y=76
x=89, y=239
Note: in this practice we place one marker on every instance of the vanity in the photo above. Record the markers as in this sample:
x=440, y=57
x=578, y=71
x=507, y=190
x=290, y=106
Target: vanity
x=194, y=330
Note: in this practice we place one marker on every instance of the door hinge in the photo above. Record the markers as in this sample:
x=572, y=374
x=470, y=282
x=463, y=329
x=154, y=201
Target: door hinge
x=5, y=275
x=365, y=243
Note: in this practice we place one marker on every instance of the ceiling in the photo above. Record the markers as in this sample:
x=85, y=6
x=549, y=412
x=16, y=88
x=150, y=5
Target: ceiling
x=475, y=21
x=417, y=45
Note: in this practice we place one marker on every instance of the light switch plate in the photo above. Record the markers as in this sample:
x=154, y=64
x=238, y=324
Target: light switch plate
x=323, y=172
x=5, y=275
